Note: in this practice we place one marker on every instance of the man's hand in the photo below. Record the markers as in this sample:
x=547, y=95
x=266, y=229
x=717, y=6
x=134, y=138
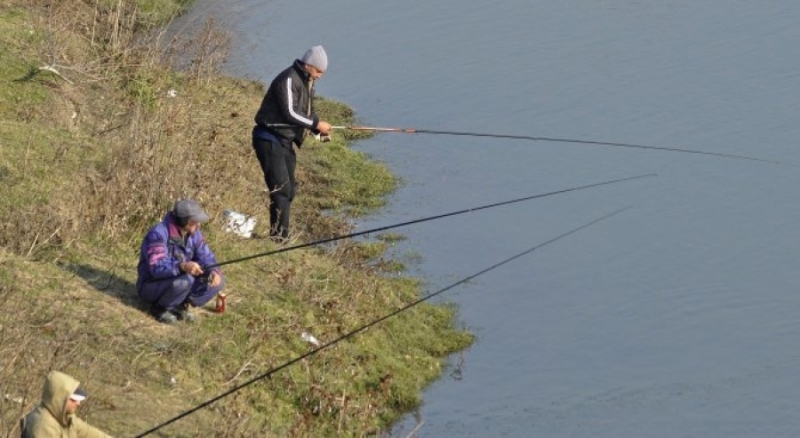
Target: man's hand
x=191, y=268
x=214, y=279
x=324, y=127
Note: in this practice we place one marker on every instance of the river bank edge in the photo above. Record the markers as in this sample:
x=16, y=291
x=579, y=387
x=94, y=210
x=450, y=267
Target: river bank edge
x=101, y=118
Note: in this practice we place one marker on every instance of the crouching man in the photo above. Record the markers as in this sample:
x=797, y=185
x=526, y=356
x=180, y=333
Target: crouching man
x=173, y=263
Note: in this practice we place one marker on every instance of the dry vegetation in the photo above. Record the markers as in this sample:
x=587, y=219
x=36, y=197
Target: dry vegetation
x=94, y=147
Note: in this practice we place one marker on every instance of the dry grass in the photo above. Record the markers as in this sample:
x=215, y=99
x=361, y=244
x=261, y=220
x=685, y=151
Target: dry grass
x=94, y=148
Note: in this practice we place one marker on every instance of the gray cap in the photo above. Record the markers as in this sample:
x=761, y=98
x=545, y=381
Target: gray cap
x=316, y=57
x=190, y=209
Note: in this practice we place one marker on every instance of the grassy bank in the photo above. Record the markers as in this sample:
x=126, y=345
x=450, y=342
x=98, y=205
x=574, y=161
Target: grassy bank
x=99, y=133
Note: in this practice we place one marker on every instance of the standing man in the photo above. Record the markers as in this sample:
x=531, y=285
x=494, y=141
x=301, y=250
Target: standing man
x=286, y=112
x=172, y=265
x=55, y=414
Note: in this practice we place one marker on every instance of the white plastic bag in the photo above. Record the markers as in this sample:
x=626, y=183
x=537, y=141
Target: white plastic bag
x=239, y=223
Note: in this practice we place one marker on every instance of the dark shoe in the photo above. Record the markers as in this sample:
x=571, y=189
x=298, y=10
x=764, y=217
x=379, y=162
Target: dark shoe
x=167, y=317
x=280, y=240
x=280, y=237
x=183, y=313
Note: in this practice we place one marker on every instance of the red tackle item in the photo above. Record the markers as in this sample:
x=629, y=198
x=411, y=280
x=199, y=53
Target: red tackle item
x=221, y=302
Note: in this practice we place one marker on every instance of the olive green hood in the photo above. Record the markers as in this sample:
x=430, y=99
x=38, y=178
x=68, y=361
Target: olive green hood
x=57, y=388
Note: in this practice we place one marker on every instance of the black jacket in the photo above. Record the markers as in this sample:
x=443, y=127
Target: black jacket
x=289, y=100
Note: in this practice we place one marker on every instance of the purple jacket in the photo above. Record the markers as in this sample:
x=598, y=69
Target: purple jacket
x=163, y=250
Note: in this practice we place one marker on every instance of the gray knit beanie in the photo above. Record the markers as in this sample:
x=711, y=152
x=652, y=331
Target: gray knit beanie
x=316, y=57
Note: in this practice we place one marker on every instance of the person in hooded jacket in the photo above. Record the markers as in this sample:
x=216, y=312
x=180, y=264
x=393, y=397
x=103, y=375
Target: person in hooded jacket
x=173, y=262
x=55, y=416
x=283, y=119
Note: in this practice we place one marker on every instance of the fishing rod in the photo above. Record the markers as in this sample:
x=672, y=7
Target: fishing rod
x=374, y=322
x=532, y=138
x=550, y=139
x=425, y=219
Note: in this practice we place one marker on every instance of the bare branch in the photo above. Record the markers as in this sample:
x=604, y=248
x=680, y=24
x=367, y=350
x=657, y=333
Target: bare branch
x=52, y=69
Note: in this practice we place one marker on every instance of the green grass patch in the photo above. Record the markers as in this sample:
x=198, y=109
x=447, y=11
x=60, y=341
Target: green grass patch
x=21, y=92
x=87, y=166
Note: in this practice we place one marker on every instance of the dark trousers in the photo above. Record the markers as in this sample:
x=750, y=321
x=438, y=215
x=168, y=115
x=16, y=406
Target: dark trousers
x=278, y=163
x=169, y=293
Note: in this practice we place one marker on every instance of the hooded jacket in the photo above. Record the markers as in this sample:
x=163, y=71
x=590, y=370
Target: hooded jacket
x=50, y=419
x=164, y=249
x=290, y=101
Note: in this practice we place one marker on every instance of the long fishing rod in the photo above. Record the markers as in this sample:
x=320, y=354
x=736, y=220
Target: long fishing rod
x=425, y=219
x=374, y=322
x=533, y=138
x=550, y=139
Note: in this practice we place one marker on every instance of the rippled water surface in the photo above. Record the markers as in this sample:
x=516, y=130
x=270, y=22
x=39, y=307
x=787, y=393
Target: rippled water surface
x=675, y=318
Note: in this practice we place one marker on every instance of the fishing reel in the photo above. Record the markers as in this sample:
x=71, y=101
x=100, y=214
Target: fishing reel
x=205, y=277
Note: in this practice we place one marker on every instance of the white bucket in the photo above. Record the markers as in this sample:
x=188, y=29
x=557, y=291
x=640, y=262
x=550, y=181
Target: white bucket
x=239, y=223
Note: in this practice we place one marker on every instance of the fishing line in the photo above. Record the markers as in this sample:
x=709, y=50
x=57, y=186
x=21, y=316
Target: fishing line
x=425, y=219
x=550, y=139
x=374, y=322
x=532, y=138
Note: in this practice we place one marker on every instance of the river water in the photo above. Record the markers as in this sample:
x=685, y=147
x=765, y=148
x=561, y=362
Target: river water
x=675, y=318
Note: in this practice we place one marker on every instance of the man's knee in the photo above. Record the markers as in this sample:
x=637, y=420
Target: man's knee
x=204, y=292
x=280, y=199
x=183, y=283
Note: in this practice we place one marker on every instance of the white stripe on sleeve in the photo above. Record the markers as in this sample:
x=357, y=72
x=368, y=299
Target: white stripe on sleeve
x=289, y=101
